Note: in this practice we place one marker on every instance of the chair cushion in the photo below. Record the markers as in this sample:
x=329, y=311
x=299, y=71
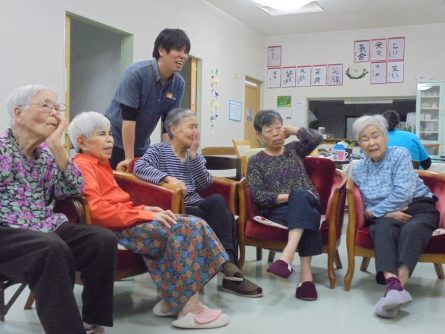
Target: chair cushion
x=258, y=231
x=435, y=246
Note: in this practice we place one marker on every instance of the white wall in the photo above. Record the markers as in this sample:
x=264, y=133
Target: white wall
x=32, y=46
x=95, y=67
x=424, y=57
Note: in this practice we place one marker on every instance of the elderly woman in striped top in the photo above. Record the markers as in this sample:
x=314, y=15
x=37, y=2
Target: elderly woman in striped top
x=179, y=163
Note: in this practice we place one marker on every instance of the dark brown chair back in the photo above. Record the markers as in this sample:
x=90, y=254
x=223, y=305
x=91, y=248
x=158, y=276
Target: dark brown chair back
x=221, y=163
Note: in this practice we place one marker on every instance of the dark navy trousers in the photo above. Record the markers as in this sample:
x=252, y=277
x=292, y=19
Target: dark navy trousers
x=303, y=210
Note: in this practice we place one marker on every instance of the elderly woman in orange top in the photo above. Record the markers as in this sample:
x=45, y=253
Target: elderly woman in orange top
x=181, y=253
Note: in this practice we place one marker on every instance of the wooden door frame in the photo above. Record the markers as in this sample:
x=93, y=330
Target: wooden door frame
x=258, y=88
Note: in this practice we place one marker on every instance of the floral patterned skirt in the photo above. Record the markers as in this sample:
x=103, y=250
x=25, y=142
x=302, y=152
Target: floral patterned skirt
x=181, y=260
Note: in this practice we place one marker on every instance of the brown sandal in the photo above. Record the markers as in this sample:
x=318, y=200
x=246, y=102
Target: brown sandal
x=231, y=272
x=245, y=288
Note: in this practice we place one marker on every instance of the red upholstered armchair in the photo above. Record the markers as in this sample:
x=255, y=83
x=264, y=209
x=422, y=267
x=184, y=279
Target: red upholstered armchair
x=330, y=183
x=128, y=263
x=225, y=187
x=358, y=239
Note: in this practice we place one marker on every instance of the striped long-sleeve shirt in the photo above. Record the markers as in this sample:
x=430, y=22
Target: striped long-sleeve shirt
x=159, y=161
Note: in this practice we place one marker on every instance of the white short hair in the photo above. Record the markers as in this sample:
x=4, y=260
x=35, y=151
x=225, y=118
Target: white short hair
x=21, y=97
x=363, y=122
x=84, y=124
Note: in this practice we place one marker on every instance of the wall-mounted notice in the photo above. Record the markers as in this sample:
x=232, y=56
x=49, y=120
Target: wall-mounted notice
x=394, y=71
x=396, y=48
x=303, y=76
x=273, y=56
x=378, y=49
x=288, y=77
x=378, y=72
x=318, y=75
x=273, y=78
x=361, y=51
x=235, y=108
x=335, y=74
x=284, y=101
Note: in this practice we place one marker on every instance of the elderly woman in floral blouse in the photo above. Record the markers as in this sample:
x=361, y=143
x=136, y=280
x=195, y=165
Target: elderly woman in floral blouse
x=40, y=247
x=399, y=209
x=283, y=191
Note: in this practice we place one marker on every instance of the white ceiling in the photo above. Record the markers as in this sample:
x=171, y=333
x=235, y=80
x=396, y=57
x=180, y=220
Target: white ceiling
x=337, y=15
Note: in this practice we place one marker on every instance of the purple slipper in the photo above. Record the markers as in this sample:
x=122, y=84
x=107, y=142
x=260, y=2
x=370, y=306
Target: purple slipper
x=306, y=291
x=280, y=268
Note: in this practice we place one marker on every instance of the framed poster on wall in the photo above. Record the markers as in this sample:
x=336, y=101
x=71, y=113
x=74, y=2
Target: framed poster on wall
x=318, y=75
x=378, y=72
x=273, y=79
x=303, y=76
x=361, y=51
x=288, y=76
x=273, y=56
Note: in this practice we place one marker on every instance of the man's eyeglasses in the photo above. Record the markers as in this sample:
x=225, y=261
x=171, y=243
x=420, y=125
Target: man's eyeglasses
x=48, y=106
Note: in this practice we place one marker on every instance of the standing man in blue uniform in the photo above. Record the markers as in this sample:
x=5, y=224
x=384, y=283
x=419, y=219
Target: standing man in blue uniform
x=149, y=90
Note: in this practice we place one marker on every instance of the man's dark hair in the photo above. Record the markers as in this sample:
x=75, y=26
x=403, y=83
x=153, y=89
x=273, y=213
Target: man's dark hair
x=171, y=39
x=265, y=118
x=393, y=119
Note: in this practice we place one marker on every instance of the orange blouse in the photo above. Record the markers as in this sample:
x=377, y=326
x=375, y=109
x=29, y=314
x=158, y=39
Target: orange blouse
x=110, y=206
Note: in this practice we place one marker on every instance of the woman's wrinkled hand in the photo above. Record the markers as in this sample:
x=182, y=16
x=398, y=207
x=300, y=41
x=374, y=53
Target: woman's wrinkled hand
x=290, y=130
x=153, y=208
x=193, y=150
x=399, y=215
x=123, y=165
x=55, y=138
x=165, y=217
x=175, y=182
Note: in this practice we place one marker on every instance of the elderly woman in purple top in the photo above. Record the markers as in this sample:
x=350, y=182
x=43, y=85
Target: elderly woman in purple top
x=40, y=247
x=283, y=191
x=399, y=209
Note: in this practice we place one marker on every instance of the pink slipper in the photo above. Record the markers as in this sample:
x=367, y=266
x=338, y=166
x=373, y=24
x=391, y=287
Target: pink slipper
x=208, y=318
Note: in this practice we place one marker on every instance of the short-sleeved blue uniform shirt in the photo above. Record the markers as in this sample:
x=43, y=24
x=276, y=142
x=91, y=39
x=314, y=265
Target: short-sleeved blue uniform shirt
x=141, y=89
x=410, y=141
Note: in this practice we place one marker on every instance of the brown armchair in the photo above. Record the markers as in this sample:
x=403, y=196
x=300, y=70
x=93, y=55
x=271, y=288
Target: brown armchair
x=330, y=183
x=129, y=264
x=358, y=238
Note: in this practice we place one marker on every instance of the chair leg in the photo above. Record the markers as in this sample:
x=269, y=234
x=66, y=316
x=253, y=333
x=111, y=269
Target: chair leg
x=350, y=272
x=337, y=260
x=242, y=255
x=331, y=271
x=365, y=263
x=4, y=308
x=30, y=301
x=259, y=254
x=439, y=270
x=271, y=256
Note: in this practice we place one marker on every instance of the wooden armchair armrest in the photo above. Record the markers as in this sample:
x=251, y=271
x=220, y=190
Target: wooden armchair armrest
x=226, y=188
x=75, y=208
x=144, y=193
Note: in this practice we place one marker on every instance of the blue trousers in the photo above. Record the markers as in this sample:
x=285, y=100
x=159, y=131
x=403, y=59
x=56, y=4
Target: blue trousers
x=303, y=210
